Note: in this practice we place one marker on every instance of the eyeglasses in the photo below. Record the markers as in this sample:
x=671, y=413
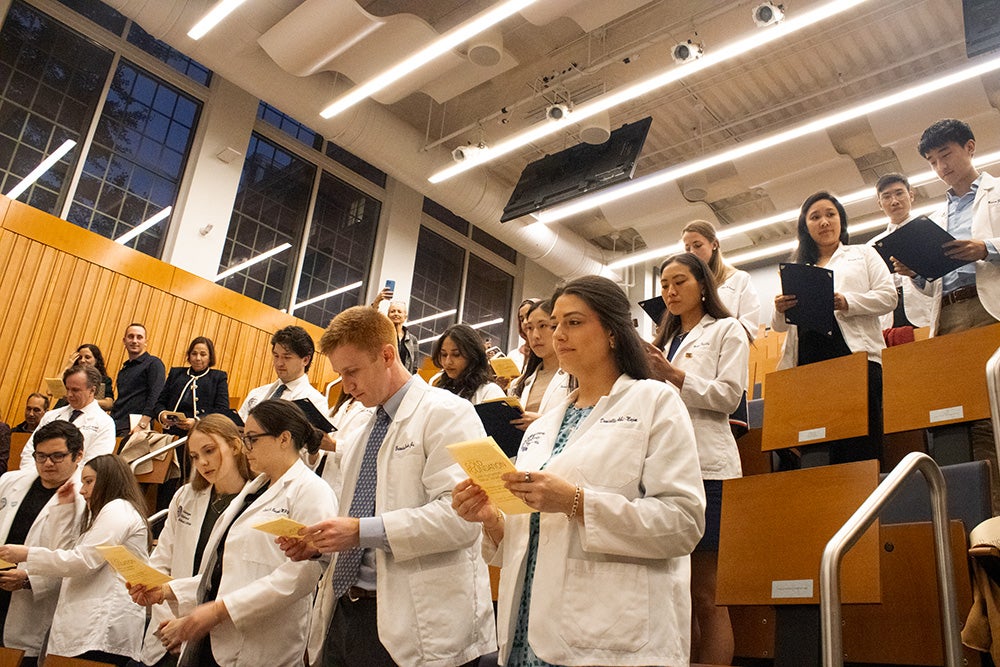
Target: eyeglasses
x=250, y=439
x=56, y=457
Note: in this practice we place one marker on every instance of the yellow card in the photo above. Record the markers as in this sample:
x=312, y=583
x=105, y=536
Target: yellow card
x=132, y=569
x=483, y=461
x=282, y=527
x=4, y=565
x=505, y=367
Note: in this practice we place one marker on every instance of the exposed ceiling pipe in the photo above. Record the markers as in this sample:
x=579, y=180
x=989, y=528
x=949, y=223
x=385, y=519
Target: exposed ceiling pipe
x=369, y=130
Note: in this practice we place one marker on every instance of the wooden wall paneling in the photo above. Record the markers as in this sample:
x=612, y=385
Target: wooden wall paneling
x=47, y=339
x=69, y=305
x=22, y=315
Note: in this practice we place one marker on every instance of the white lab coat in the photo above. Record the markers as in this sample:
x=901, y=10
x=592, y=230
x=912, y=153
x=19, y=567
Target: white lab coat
x=985, y=227
x=349, y=418
x=434, y=603
x=30, y=612
x=861, y=276
x=97, y=426
x=174, y=555
x=294, y=390
x=740, y=298
x=94, y=612
x=267, y=595
x=615, y=589
x=715, y=357
x=555, y=393
x=916, y=304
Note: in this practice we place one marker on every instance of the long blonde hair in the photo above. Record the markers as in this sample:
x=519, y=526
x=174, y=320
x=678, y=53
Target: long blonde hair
x=720, y=270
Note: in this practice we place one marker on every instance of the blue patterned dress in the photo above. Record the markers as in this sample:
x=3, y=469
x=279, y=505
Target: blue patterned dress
x=521, y=654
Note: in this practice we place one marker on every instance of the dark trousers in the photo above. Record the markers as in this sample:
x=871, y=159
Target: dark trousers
x=103, y=656
x=353, y=637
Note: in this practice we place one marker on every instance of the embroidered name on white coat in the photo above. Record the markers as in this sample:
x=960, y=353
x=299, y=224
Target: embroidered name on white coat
x=620, y=419
x=403, y=448
x=276, y=510
x=530, y=440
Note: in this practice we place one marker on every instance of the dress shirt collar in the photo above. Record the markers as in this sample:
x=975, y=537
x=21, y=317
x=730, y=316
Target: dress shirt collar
x=391, y=405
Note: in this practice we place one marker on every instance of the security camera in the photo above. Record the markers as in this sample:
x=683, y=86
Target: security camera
x=557, y=112
x=463, y=153
x=767, y=13
x=687, y=51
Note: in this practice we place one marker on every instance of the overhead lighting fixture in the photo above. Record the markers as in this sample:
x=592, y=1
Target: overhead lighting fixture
x=767, y=13
x=686, y=52
x=557, y=112
x=253, y=260
x=315, y=299
x=923, y=178
x=671, y=174
x=37, y=172
x=488, y=323
x=467, y=152
x=221, y=10
x=435, y=316
x=149, y=224
x=435, y=49
x=670, y=75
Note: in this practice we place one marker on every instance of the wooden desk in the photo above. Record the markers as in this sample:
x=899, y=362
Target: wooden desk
x=937, y=381
x=816, y=403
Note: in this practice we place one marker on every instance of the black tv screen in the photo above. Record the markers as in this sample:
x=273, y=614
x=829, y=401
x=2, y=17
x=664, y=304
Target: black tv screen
x=577, y=170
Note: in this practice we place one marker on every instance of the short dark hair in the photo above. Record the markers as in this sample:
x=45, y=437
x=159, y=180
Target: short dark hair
x=886, y=180
x=477, y=370
x=207, y=342
x=60, y=429
x=944, y=132
x=94, y=377
x=38, y=395
x=297, y=341
x=808, y=251
x=277, y=416
x=612, y=307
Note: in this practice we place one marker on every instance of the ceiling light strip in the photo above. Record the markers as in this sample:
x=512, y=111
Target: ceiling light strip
x=327, y=295
x=37, y=172
x=149, y=224
x=444, y=313
x=755, y=40
x=221, y=10
x=923, y=178
x=671, y=174
x=253, y=260
x=435, y=49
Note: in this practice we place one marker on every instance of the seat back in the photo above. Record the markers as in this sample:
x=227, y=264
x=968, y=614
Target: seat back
x=11, y=657
x=968, y=488
x=61, y=661
x=17, y=443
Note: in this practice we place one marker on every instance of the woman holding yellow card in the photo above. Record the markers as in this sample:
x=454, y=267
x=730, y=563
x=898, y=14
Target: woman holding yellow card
x=219, y=471
x=600, y=573
x=94, y=619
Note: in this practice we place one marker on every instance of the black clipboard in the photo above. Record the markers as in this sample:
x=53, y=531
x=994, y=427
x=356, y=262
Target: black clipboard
x=655, y=308
x=315, y=417
x=496, y=416
x=813, y=287
x=917, y=244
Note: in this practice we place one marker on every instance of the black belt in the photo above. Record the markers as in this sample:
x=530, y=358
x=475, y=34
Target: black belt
x=355, y=593
x=959, y=294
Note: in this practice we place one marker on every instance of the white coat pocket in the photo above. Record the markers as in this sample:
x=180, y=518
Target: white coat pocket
x=605, y=605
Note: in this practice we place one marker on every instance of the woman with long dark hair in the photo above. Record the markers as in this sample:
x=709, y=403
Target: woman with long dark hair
x=704, y=352
x=465, y=370
x=600, y=574
x=95, y=619
x=89, y=354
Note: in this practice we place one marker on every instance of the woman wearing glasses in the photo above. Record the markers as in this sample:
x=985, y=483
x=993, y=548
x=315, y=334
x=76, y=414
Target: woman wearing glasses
x=249, y=604
x=219, y=471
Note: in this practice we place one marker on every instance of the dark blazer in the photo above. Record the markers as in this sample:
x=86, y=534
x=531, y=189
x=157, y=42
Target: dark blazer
x=409, y=351
x=213, y=393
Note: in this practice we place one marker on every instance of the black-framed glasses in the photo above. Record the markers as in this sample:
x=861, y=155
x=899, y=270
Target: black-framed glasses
x=56, y=457
x=250, y=439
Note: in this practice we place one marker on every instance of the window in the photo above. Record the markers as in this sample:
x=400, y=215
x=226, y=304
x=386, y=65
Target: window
x=289, y=126
x=99, y=13
x=356, y=164
x=487, y=299
x=187, y=66
x=135, y=164
x=271, y=206
x=339, y=251
x=437, y=285
x=50, y=84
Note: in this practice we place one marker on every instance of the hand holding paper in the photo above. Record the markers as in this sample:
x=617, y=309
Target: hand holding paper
x=132, y=569
x=484, y=463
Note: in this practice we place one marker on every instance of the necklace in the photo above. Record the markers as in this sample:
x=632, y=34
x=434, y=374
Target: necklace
x=220, y=501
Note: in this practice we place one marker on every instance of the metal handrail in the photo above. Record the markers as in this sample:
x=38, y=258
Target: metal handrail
x=851, y=532
x=157, y=517
x=993, y=390
x=156, y=452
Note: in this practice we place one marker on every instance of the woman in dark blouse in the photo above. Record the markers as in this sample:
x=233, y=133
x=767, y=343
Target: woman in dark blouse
x=196, y=390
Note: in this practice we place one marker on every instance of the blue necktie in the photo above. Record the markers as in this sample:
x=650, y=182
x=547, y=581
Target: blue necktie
x=345, y=574
x=279, y=391
x=73, y=415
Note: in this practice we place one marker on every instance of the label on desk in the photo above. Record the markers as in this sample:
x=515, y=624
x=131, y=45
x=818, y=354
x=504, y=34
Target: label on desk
x=812, y=434
x=792, y=588
x=947, y=414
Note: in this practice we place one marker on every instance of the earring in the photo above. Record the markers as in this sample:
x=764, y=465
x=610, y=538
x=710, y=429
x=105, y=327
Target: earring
x=703, y=296
x=611, y=341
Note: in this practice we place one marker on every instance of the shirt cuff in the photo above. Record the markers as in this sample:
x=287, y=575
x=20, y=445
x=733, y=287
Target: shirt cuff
x=371, y=534
x=991, y=251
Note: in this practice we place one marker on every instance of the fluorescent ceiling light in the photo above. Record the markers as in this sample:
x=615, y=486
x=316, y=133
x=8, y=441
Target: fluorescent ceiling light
x=221, y=10
x=788, y=246
x=671, y=174
x=149, y=224
x=37, y=172
x=923, y=178
x=443, y=313
x=435, y=49
x=339, y=290
x=497, y=320
x=253, y=260
x=754, y=40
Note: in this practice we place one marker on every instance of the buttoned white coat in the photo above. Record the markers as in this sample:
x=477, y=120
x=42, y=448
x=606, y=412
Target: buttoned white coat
x=433, y=593
x=615, y=589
